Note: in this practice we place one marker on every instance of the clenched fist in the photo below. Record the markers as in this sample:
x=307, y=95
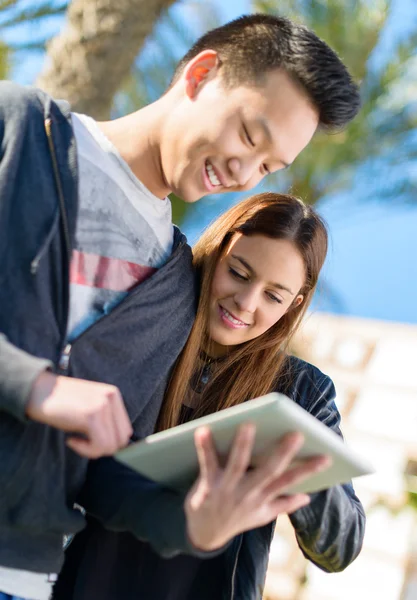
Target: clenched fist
x=94, y=410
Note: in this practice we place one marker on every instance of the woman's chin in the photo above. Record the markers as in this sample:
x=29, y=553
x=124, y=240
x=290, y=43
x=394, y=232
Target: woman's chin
x=225, y=338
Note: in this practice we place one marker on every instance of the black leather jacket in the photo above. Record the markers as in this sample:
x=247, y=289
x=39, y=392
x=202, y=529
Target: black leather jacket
x=329, y=532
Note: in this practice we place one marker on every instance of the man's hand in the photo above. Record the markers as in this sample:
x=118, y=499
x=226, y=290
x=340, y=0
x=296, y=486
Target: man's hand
x=94, y=410
x=227, y=501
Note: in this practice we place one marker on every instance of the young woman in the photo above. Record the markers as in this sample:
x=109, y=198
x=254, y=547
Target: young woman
x=259, y=264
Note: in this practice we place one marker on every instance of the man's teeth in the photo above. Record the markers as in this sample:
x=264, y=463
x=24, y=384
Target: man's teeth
x=212, y=175
x=232, y=319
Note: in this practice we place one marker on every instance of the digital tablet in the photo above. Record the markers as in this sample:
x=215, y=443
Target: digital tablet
x=169, y=457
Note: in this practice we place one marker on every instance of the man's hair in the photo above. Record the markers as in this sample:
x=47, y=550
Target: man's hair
x=252, y=45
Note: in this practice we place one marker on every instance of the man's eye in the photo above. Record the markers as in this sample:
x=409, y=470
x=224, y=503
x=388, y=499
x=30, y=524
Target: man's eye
x=248, y=137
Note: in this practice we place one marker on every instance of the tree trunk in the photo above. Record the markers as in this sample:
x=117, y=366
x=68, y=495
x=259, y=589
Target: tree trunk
x=89, y=59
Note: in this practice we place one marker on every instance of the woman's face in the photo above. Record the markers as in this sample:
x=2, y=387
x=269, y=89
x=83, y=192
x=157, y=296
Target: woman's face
x=255, y=282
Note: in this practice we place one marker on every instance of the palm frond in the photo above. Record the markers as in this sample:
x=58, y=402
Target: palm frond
x=31, y=15
x=388, y=111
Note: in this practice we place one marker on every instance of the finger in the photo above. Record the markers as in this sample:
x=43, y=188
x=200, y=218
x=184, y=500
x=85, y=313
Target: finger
x=240, y=454
x=278, y=462
x=269, y=511
x=101, y=432
x=289, y=504
x=121, y=422
x=296, y=475
x=206, y=454
x=82, y=447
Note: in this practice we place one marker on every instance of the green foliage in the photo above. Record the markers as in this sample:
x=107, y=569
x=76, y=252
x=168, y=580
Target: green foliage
x=412, y=500
x=4, y=60
x=15, y=13
x=179, y=209
x=352, y=27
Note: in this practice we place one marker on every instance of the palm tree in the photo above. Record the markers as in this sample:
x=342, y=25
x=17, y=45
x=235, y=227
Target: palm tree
x=380, y=138
x=94, y=53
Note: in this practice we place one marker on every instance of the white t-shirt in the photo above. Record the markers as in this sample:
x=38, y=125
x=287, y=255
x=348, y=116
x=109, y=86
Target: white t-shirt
x=26, y=584
x=123, y=234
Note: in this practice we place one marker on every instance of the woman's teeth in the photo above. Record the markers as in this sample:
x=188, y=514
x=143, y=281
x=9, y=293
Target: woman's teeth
x=232, y=319
x=211, y=174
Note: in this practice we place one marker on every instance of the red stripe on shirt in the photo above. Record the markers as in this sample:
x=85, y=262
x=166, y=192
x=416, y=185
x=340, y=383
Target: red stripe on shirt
x=108, y=273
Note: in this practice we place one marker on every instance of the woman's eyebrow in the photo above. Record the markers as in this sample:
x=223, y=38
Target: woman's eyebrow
x=250, y=269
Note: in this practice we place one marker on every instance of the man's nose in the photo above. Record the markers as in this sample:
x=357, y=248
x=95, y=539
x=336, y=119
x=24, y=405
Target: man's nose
x=242, y=170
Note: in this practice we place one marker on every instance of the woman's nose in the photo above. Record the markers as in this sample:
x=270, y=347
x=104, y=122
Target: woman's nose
x=247, y=300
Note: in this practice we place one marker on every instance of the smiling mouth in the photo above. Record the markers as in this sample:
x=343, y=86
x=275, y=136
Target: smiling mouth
x=211, y=174
x=231, y=318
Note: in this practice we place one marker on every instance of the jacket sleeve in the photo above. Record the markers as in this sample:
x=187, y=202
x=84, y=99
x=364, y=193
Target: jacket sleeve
x=18, y=372
x=122, y=500
x=18, y=369
x=331, y=528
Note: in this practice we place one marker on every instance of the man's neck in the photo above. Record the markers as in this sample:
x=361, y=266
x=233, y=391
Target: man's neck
x=137, y=139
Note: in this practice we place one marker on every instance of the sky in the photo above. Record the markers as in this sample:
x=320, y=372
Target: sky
x=371, y=269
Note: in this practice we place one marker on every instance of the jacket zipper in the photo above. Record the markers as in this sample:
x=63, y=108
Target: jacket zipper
x=232, y=592
x=64, y=359
x=48, y=129
x=63, y=210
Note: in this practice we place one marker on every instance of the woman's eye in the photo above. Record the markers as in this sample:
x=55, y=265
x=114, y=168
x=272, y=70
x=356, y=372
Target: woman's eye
x=274, y=298
x=237, y=275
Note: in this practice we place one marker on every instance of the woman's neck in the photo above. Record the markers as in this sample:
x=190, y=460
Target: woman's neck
x=214, y=350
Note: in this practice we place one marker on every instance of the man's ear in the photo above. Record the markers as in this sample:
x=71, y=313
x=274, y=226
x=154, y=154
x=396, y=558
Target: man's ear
x=199, y=69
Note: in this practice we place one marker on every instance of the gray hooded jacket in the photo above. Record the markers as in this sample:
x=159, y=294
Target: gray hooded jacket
x=134, y=347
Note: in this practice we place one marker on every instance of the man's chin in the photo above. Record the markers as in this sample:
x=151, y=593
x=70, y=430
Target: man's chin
x=190, y=197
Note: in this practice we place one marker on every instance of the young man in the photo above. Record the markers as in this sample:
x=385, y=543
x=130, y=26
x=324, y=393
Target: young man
x=98, y=292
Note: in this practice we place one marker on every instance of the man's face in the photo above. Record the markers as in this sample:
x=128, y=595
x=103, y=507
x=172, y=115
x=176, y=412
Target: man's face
x=221, y=140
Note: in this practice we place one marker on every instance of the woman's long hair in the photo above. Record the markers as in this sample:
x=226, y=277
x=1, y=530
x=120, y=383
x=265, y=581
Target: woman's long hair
x=252, y=368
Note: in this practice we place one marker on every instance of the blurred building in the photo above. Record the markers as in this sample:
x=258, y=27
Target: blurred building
x=374, y=367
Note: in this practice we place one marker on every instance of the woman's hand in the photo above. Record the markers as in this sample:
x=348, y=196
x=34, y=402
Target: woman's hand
x=227, y=501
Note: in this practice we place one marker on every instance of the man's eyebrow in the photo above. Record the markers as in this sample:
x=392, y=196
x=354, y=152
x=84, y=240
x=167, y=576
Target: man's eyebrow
x=264, y=124
x=247, y=266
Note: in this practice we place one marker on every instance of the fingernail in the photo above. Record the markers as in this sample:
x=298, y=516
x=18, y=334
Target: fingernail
x=249, y=428
x=202, y=432
x=298, y=439
x=325, y=462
